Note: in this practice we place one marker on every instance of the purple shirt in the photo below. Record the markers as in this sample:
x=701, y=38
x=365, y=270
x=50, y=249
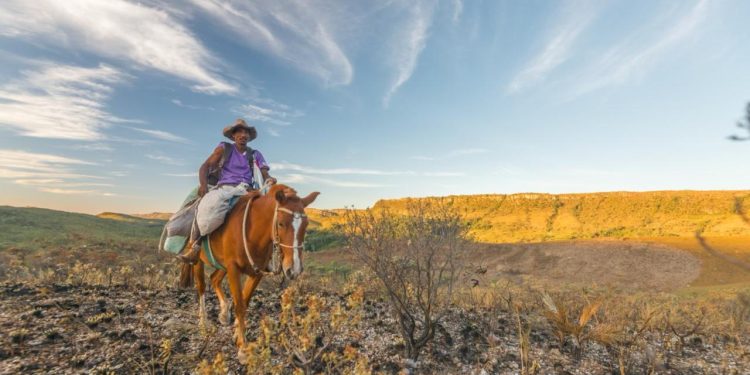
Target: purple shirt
x=236, y=169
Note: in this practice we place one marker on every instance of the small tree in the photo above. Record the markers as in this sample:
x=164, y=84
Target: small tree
x=417, y=256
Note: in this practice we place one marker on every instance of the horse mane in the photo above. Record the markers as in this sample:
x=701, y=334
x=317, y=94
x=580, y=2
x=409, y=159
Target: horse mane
x=289, y=193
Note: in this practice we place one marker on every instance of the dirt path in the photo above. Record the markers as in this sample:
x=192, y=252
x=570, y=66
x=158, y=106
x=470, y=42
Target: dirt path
x=618, y=264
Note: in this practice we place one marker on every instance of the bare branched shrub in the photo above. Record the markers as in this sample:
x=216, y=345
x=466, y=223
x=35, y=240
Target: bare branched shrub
x=417, y=257
x=685, y=322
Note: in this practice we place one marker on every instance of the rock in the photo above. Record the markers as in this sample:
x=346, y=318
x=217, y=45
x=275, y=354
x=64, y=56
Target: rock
x=410, y=363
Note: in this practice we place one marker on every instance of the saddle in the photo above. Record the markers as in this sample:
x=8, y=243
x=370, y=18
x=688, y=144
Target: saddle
x=178, y=228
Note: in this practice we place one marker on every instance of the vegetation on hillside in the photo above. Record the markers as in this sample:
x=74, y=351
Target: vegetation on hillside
x=543, y=217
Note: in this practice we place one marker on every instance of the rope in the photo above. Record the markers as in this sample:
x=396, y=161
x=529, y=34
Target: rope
x=274, y=238
x=244, y=241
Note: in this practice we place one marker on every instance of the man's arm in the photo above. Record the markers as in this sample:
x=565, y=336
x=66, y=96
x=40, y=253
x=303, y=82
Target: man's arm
x=211, y=163
x=266, y=176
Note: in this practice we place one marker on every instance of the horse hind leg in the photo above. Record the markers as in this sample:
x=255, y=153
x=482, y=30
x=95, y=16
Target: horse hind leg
x=200, y=284
x=216, y=278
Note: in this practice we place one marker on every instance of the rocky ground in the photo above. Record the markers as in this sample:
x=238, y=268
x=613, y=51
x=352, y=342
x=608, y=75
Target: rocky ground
x=61, y=328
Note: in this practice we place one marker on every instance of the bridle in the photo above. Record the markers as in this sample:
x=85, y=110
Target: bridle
x=296, y=216
x=277, y=245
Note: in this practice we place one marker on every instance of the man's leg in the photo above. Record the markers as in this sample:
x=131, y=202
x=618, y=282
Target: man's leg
x=192, y=252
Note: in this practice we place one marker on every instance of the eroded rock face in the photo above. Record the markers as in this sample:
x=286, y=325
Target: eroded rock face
x=63, y=329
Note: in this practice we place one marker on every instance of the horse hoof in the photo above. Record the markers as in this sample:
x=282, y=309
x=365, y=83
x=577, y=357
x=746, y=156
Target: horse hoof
x=241, y=357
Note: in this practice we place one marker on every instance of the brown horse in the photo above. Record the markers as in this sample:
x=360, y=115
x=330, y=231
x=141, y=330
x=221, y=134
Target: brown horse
x=244, y=244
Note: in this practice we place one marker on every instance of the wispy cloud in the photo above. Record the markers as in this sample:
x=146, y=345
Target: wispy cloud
x=273, y=132
x=303, y=34
x=356, y=171
x=59, y=101
x=93, y=147
x=305, y=179
x=160, y=134
x=164, y=159
x=76, y=192
x=48, y=173
x=408, y=45
x=631, y=59
x=458, y=10
x=57, y=182
x=118, y=29
x=268, y=111
x=179, y=103
x=574, y=17
x=453, y=154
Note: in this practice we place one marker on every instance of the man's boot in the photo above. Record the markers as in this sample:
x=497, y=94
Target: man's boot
x=192, y=255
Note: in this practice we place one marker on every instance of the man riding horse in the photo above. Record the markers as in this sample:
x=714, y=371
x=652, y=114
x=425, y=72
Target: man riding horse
x=231, y=169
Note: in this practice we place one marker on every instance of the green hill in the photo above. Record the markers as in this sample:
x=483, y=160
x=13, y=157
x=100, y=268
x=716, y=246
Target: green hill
x=38, y=228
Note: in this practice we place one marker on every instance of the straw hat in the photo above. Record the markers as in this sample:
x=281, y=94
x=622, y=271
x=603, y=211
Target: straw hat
x=240, y=123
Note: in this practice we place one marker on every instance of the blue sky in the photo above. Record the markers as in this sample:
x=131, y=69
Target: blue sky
x=113, y=105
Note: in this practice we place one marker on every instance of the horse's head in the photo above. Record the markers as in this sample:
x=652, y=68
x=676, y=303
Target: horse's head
x=290, y=226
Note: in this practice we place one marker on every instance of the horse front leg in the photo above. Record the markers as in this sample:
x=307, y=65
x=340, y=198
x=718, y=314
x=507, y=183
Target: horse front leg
x=235, y=289
x=249, y=288
x=200, y=285
x=216, y=279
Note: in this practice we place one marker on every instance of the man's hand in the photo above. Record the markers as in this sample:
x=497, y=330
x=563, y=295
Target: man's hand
x=202, y=190
x=270, y=181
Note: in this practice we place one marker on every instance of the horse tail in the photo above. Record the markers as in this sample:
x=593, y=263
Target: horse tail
x=186, y=276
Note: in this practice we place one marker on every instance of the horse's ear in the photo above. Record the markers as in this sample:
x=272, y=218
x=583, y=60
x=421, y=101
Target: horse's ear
x=310, y=198
x=280, y=196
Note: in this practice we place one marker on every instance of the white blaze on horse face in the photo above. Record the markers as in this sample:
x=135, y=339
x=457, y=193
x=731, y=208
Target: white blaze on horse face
x=296, y=224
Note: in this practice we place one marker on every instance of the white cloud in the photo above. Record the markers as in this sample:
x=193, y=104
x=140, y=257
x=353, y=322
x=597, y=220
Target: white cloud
x=356, y=171
x=160, y=134
x=452, y=154
x=57, y=182
x=59, y=101
x=627, y=61
x=164, y=159
x=76, y=192
x=118, y=29
x=16, y=159
x=304, y=179
x=303, y=34
x=458, y=10
x=179, y=103
x=574, y=18
x=93, y=147
x=334, y=171
x=273, y=132
x=408, y=44
x=49, y=173
x=268, y=111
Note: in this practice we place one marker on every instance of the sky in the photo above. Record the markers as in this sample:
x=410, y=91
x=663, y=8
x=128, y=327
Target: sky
x=113, y=105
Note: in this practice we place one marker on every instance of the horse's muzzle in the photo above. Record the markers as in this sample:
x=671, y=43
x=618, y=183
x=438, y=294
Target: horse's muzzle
x=289, y=273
